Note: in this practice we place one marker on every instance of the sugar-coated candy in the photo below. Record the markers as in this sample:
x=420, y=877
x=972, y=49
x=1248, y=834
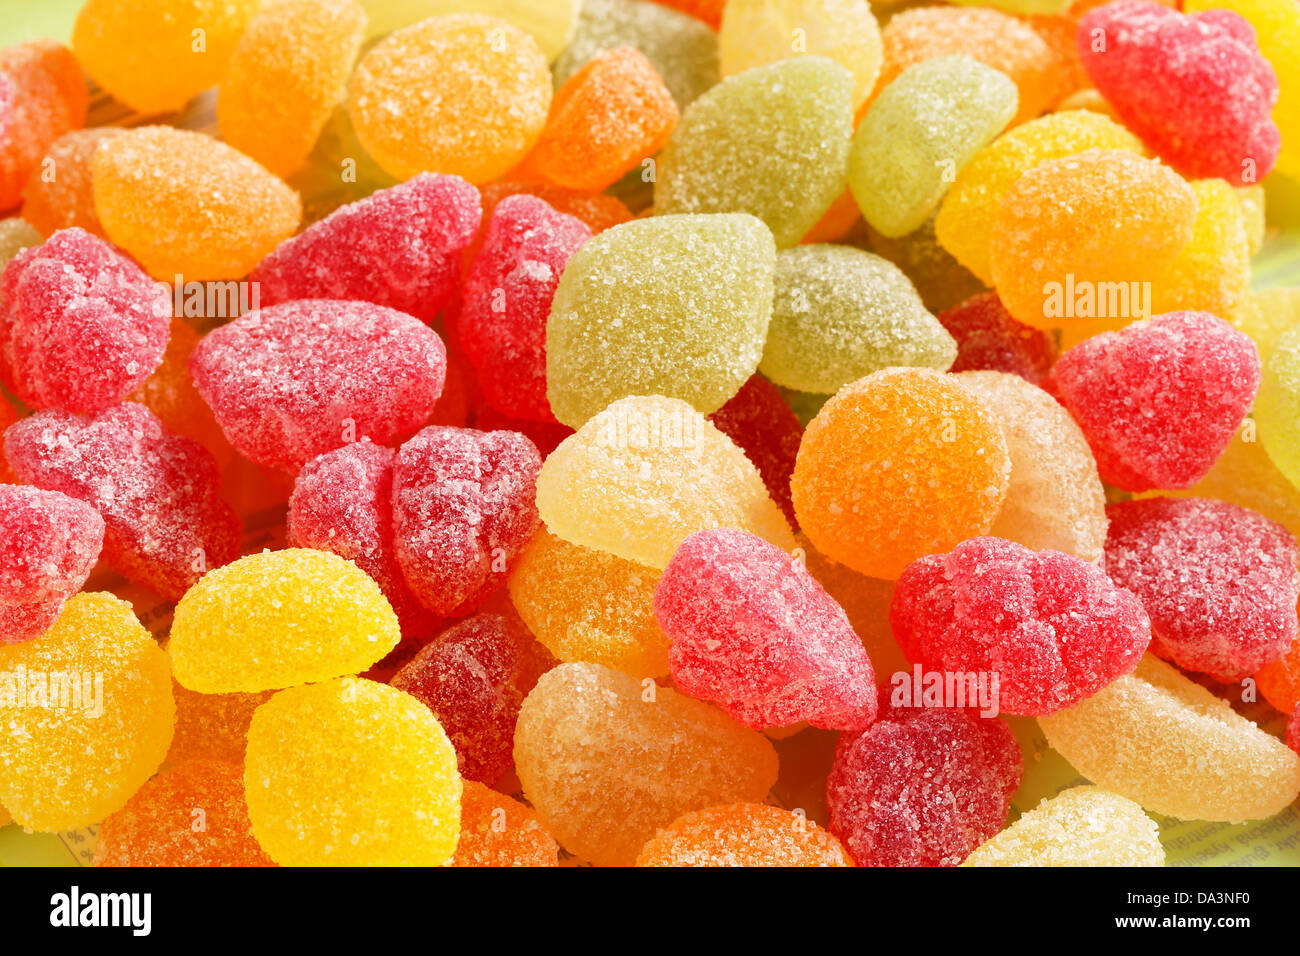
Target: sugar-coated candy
x=8, y=416
x=1053, y=628
x=923, y=786
x=989, y=339
x=605, y=120
x=964, y=223
x=1082, y=826
x=506, y=301
x=902, y=463
x=546, y=436
x=945, y=110
x=772, y=141
x=743, y=834
x=80, y=324
x=464, y=94
x=351, y=773
x=940, y=279
x=1279, y=680
x=549, y=22
x=71, y=765
x=192, y=814
x=1195, y=88
x=1253, y=215
x=1074, y=238
x=710, y=11
x=1055, y=501
x=293, y=381
x=46, y=97
x=762, y=425
x=286, y=75
x=598, y=210
x=1066, y=77
x=278, y=619
x=1159, y=400
x=170, y=394
x=1267, y=315
x=671, y=305
x=1218, y=581
x=166, y=521
x=754, y=632
x=757, y=32
x=1277, y=410
x=60, y=193
x=49, y=543
x=646, y=472
x=607, y=760
x=589, y=605
x=1212, y=272
x=496, y=830
x=463, y=510
x=184, y=204
x=1169, y=744
x=840, y=313
x=865, y=601
x=15, y=236
x=399, y=247
x=212, y=726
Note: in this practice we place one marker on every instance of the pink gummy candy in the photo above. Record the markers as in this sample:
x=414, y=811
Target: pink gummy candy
x=463, y=509
x=293, y=381
x=762, y=425
x=753, y=631
x=81, y=325
x=165, y=521
x=342, y=503
x=507, y=300
x=1159, y=401
x=1218, y=581
x=399, y=247
x=1195, y=88
x=474, y=677
x=989, y=339
x=49, y=543
x=1052, y=628
x=922, y=786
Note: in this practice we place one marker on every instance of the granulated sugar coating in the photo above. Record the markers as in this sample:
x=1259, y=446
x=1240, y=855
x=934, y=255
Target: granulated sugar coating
x=1160, y=400
x=278, y=619
x=1279, y=680
x=671, y=305
x=46, y=97
x=839, y=314
x=1054, y=629
x=607, y=760
x=292, y=381
x=588, y=605
x=920, y=132
x=989, y=339
x=159, y=493
x=463, y=510
x=772, y=142
x=80, y=325
x=743, y=834
x=645, y=473
x=65, y=767
x=399, y=247
x=754, y=632
x=1055, y=500
x=1212, y=272
x=1173, y=747
x=761, y=424
x=351, y=773
x=598, y=210
x=170, y=394
x=1218, y=581
x=498, y=831
x=464, y=94
x=902, y=463
x=60, y=193
x=212, y=726
x=15, y=236
x=182, y=203
x=192, y=814
x=1082, y=826
x=921, y=787
x=1277, y=410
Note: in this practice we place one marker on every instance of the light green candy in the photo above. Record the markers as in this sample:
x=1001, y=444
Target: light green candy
x=773, y=142
x=1277, y=407
x=919, y=133
x=671, y=305
x=840, y=314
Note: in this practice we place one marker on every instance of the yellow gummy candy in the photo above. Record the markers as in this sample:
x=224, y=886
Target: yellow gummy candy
x=1212, y=272
x=1277, y=407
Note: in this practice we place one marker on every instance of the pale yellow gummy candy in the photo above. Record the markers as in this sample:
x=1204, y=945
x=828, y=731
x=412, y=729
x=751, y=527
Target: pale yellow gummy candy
x=1277, y=407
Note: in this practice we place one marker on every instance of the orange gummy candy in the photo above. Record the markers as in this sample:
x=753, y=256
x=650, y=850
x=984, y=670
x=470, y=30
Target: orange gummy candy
x=60, y=192
x=743, y=834
x=212, y=726
x=49, y=98
x=498, y=831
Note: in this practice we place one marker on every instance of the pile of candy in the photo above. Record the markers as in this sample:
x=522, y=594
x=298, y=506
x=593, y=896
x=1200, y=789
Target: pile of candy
x=665, y=386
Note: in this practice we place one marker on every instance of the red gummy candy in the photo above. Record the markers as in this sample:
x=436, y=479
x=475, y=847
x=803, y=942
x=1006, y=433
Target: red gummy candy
x=399, y=247
x=47, y=98
x=506, y=301
x=463, y=509
x=922, y=786
x=1218, y=581
x=545, y=435
x=165, y=521
x=1195, y=88
x=754, y=632
x=81, y=325
x=293, y=381
x=1159, y=400
x=1052, y=628
x=989, y=339
x=762, y=425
